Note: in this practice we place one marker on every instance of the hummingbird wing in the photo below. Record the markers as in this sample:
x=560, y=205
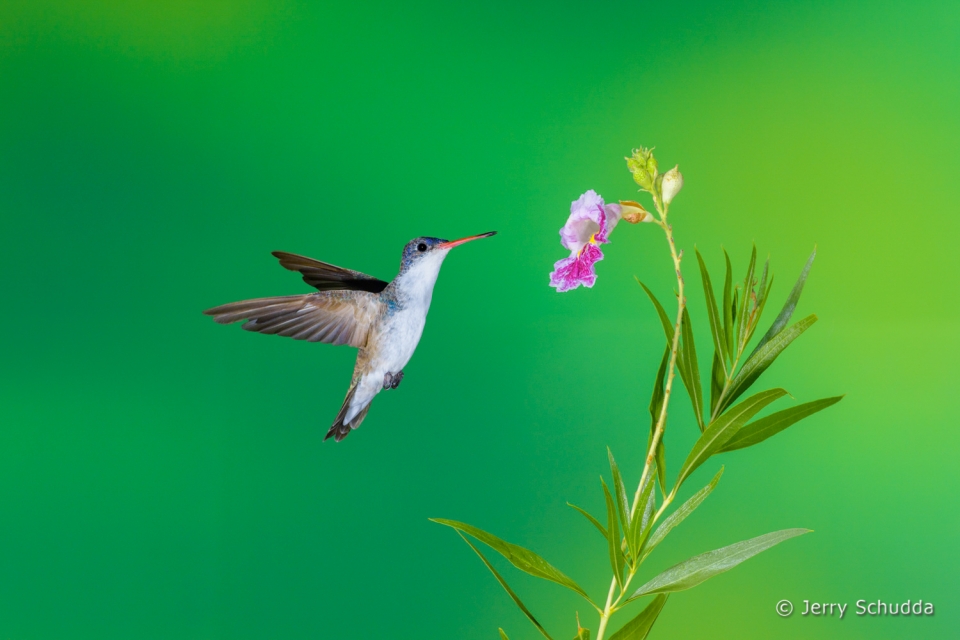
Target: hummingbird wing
x=327, y=277
x=333, y=317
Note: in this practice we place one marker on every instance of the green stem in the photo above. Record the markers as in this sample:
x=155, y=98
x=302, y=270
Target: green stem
x=607, y=610
x=611, y=605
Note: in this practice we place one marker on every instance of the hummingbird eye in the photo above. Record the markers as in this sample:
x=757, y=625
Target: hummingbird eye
x=422, y=246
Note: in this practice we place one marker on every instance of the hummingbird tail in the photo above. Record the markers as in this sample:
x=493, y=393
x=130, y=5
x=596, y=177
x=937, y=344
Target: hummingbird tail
x=339, y=430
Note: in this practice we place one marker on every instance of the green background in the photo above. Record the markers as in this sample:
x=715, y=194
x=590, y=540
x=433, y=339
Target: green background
x=164, y=477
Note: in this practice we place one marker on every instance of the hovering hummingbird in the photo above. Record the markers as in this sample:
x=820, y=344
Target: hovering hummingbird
x=383, y=320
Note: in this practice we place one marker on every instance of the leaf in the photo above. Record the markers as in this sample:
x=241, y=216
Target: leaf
x=762, y=290
x=762, y=287
x=613, y=536
x=697, y=569
x=503, y=635
x=728, y=306
x=687, y=363
x=646, y=523
x=788, y=307
x=680, y=515
x=639, y=627
x=506, y=587
x=521, y=558
x=623, y=506
x=649, y=501
x=757, y=363
x=723, y=428
x=716, y=320
x=761, y=429
x=656, y=400
x=642, y=512
x=718, y=378
x=593, y=521
x=689, y=371
x=664, y=319
x=661, y=462
x=656, y=406
x=734, y=311
x=582, y=634
x=743, y=317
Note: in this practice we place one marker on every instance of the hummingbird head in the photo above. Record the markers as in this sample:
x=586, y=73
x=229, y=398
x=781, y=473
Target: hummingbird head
x=422, y=258
x=432, y=250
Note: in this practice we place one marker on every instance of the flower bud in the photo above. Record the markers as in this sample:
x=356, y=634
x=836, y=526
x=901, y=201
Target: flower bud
x=651, y=163
x=633, y=212
x=643, y=166
x=671, y=185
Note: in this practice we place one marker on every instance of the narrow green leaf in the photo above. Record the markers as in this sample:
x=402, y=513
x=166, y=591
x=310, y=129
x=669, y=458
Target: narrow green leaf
x=593, y=521
x=690, y=373
x=716, y=320
x=613, y=536
x=646, y=524
x=656, y=406
x=506, y=587
x=761, y=429
x=757, y=363
x=762, y=287
x=788, y=307
x=734, y=311
x=649, y=501
x=762, y=290
x=503, y=635
x=762, y=305
x=680, y=515
x=623, y=505
x=521, y=558
x=639, y=627
x=697, y=569
x=728, y=306
x=723, y=428
x=744, y=312
x=656, y=400
x=642, y=513
x=718, y=378
x=664, y=319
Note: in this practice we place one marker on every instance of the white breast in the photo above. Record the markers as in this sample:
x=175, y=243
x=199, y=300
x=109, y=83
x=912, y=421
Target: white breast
x=402, y=336
x=401, y=331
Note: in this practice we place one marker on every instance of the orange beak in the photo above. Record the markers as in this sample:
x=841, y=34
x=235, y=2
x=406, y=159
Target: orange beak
x=454, y=243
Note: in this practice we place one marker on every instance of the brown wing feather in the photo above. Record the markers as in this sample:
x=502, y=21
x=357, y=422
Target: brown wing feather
x=327, y=277
x=332, y=317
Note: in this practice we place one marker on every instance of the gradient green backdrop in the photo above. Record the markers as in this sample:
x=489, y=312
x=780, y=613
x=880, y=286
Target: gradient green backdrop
x=164, y=477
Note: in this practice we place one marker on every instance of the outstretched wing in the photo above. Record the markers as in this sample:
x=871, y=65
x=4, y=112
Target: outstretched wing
x=333, y=317
x=327, y=277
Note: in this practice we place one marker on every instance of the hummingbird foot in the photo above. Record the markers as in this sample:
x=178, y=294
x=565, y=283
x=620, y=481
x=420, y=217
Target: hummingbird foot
x=392, y=380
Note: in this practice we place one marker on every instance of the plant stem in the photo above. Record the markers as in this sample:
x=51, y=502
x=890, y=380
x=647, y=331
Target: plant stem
x=671, y=370
x=611, y=604
x=607, y=612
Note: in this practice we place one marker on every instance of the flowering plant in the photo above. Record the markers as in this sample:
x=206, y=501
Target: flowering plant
x=634, y=528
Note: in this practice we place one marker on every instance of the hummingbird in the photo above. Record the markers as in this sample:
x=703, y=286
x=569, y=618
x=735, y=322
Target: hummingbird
x=384, y=321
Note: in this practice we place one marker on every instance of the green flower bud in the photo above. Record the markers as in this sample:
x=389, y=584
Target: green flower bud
x=643, y=166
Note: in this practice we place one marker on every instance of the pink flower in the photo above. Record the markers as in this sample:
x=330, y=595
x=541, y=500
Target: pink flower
x=589, y=225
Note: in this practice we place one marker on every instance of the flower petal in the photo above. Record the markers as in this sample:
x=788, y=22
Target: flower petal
x=577, y=270
x=584, y=221
x=611, y=216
